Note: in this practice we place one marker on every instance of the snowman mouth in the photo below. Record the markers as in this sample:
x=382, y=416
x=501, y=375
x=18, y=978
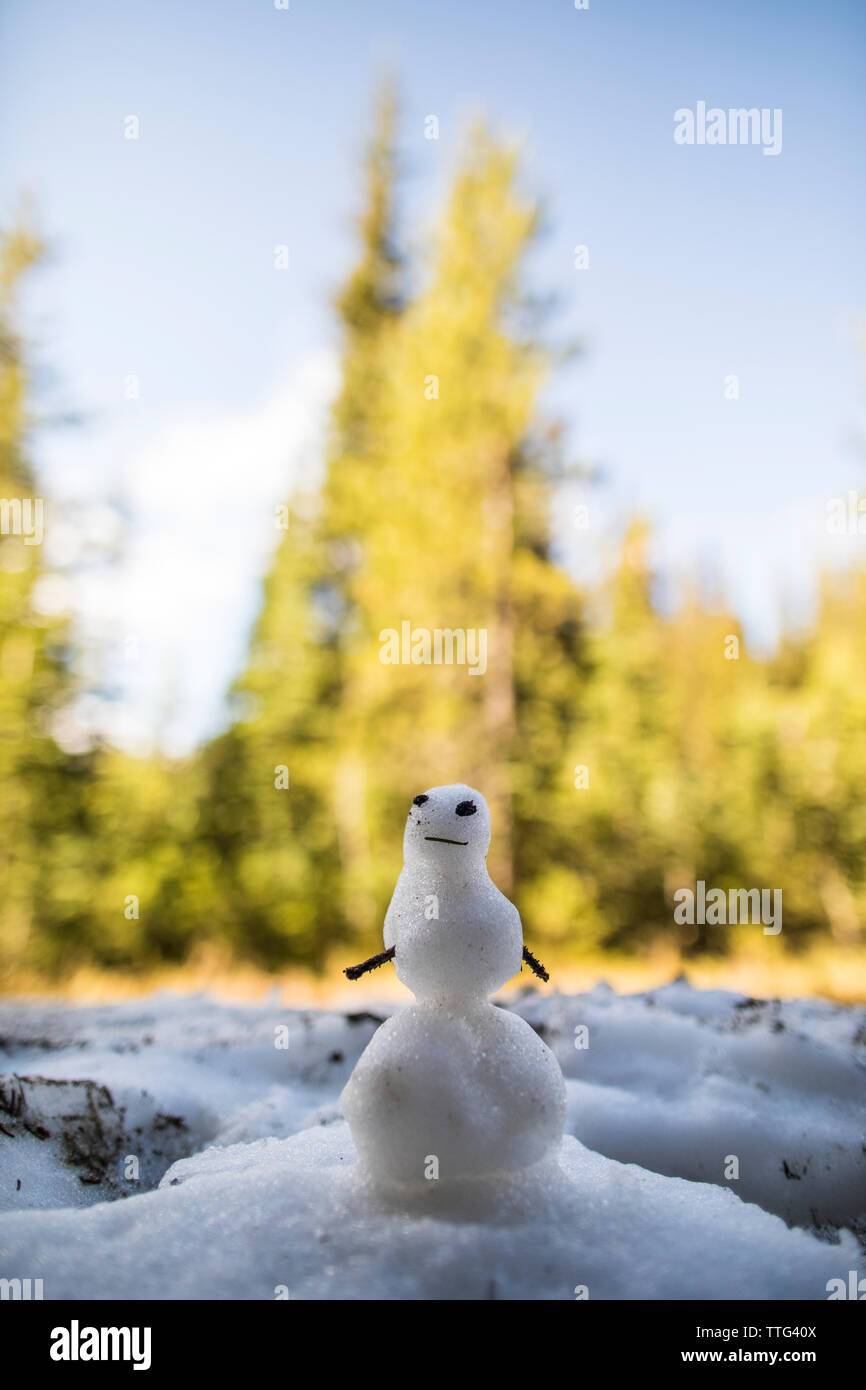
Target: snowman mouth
x=440, y=840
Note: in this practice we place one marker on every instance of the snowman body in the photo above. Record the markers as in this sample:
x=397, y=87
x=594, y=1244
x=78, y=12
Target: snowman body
x=452, y=1086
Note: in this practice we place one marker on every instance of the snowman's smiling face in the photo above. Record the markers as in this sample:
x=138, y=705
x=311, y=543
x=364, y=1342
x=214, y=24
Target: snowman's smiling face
x=449, y=829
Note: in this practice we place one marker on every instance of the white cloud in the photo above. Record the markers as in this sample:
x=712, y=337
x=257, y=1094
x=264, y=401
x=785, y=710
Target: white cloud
x=202, y=494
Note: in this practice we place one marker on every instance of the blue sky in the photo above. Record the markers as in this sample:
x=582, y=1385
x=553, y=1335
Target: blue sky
x=704, y=262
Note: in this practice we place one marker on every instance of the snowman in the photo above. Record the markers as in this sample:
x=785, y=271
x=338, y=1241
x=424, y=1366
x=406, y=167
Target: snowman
x=451, y=1086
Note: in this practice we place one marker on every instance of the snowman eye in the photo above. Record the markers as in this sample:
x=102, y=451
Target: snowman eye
x=419, y=800
x=466, y=808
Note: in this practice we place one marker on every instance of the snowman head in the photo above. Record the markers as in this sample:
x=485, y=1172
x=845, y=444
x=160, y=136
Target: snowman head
x=448, y=829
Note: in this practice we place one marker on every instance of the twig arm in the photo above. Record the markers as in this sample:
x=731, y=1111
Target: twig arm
x=535, y=965
x=354, y=972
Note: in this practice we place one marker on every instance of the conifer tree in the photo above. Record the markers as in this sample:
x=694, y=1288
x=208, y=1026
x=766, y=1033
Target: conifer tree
x=456, y=537
x=290, y=857
x=34, y=675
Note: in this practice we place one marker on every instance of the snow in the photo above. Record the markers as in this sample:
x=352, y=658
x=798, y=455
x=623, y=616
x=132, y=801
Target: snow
x=249, y=1185
x=475, y=1093
x=678, y=1080
x=456, y=936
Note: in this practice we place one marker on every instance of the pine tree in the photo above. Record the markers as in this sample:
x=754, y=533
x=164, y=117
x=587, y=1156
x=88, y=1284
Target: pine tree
x=291, y=857
x=456, y=537
x=34, y=674
x=435, y=511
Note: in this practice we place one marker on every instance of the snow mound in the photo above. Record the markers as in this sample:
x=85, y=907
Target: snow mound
x=178, y=1072
x=294, y=1218
x=72, y=1138
x=247, y=1178
x=682, y=1082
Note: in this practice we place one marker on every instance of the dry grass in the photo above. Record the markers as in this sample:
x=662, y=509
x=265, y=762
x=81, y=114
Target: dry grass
x=831, y=972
